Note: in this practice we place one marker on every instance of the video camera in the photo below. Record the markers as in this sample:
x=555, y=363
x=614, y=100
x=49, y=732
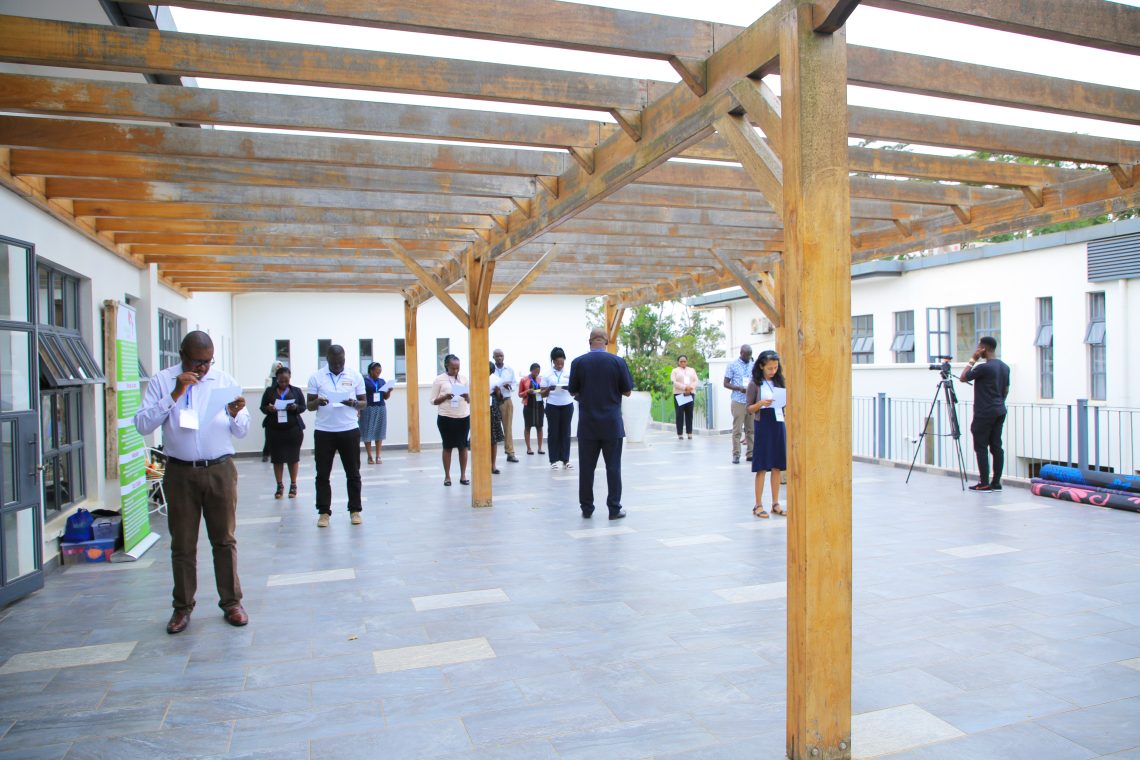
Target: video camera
x=943, y=368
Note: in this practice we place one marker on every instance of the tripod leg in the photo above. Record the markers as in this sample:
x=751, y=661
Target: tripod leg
x=922, y=435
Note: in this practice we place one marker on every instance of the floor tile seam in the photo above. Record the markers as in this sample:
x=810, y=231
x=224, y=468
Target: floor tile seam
x=1096, y=754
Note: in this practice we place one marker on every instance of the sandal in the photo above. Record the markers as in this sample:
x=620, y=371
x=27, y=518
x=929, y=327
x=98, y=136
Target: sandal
x=758, y=511
x=280, y=490
x=494, y=470
x=777, y=510
x=447, y=482
x=463, y=482
x=292, y=490
x=371, y=461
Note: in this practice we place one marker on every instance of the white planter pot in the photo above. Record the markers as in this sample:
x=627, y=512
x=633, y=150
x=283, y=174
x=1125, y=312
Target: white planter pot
x=635, y=415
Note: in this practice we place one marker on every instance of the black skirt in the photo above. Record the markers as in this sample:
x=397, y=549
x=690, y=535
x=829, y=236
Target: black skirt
x=533, y=414
x=284, y=444
x=454, y=431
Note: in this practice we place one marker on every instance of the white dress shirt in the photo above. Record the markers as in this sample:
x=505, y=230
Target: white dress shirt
x=335, y=417
x=561, y=396
x=212, y=439
x=506, y=374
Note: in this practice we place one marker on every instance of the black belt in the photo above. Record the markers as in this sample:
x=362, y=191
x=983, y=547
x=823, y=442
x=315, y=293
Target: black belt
x=200, y=462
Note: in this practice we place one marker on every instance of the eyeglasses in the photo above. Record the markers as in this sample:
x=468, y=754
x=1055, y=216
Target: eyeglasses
x=200, y=362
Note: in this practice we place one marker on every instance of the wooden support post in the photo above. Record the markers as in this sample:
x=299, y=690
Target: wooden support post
x=613, y=316
x=817, y=315
x=479, y=353
x=412, y=373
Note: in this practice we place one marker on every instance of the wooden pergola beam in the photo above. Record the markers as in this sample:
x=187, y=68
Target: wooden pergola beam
x=111, y=212
x=151, y=102
x=538, y=22
x=924, y=75
x=93, y=46
x=1090, y=23
x=254, y=195
x=759, y=294
x=760, y=162
x=89, y=138
x=276, y=174
x=521, y=286
x=429, y=282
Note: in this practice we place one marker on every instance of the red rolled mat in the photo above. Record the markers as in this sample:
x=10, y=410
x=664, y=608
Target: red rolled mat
x=1085, y=495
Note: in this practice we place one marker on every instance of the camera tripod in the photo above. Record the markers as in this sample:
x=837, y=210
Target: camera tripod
x=946, y=388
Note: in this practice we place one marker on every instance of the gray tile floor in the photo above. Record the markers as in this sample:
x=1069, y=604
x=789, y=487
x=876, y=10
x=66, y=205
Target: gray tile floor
x=986, y=626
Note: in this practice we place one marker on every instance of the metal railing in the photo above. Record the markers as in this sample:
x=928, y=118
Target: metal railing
x=1079, y=435
x=663, y=410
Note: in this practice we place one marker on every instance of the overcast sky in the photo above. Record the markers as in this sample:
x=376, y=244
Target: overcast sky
x=868, y=26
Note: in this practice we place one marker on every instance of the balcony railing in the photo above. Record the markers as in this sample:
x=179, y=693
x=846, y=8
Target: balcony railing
x=1079, y=434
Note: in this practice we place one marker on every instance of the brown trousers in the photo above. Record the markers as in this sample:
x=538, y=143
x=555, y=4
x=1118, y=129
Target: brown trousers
x=191, y=494
x=507, y=410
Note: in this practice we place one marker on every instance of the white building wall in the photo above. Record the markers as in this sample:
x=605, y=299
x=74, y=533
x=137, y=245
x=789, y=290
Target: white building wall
x=103, y=276
x=526, y=333
x=1015, y=281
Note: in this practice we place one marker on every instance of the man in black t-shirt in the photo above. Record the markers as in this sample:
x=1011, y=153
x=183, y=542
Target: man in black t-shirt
x=991, y=386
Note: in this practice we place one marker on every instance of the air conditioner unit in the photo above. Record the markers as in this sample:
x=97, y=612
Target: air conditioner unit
x=761, y=326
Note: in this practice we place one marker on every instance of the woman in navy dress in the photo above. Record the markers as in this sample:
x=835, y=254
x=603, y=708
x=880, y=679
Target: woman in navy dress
x=770, y=450
x=374, y=417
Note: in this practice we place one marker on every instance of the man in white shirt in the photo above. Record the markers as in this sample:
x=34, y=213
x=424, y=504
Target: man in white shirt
x=505, y=377
x=199, y=409
x=336, y=394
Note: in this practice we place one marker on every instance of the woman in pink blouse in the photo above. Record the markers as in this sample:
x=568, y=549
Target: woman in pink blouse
x=684, y=380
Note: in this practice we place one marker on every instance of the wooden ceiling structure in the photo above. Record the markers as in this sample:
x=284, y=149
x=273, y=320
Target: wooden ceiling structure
x=482, y=202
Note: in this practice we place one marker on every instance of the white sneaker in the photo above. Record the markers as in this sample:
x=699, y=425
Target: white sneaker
x=567, y=466
x=556, y=465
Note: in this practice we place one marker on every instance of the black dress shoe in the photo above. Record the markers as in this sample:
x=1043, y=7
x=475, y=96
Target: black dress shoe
x=178, y=621
x=617, y=515
x=512, y=458
x=587, y=513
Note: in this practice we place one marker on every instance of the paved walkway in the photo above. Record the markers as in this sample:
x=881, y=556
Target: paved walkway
x=987, y=626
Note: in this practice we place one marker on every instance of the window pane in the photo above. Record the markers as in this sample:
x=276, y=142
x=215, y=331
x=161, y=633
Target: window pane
x=44, y=296
x=19, y=530
x=1096, y=306
x=365, y=354
x=1044, y=337
x=281, y=352
x=58, y=315
x=78, y=477
x=908, y=342
x=75, y=407
x=15, y=371
x=442, y=349
x=323, y=346
x=8, y=464
x=401, y=368
x=14, y=283
x=1094, y=336
x=71, y=303
x=51, y=493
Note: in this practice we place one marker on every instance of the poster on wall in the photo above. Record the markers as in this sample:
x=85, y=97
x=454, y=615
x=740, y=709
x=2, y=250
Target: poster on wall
x=137, y=535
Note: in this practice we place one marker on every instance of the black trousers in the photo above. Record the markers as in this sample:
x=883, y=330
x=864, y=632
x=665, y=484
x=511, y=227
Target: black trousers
x=987, y=440
x=325, y=448
x=588, y=450
x=684, y=414
x=558, y=419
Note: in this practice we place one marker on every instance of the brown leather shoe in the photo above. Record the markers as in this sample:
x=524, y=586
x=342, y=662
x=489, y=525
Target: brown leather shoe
x=236, y=616
x=178, y=621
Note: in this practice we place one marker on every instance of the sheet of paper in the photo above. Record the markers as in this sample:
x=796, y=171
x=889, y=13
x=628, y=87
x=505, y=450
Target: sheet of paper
x=458, y=389
x=683, y=399
x=779, y=398
x=336, y=397
x=387, y=386
x=282, y=403
x=219, y=398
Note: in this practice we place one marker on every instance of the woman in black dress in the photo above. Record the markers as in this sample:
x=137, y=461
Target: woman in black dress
x=497, y=435
x=284, y=428
x=770, y=450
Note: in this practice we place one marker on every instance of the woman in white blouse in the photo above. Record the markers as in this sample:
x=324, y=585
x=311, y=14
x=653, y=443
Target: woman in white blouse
x=559, y=410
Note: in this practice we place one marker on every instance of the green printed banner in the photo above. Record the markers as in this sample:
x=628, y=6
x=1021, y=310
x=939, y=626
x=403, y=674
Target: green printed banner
x=132, y=448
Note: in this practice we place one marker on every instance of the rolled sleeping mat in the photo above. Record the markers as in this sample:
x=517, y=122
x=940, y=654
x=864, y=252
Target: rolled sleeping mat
x=1083, y=495
x=1087, y=488
x=1061, y=474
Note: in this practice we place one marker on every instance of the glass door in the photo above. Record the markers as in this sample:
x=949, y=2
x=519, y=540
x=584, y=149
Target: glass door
x=21, y=524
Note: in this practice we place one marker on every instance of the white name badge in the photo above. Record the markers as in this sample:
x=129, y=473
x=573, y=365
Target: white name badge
x=376, y=397
x=188, y=419
x=283, y=416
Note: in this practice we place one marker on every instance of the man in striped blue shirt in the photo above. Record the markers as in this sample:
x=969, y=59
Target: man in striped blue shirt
x=736, y=377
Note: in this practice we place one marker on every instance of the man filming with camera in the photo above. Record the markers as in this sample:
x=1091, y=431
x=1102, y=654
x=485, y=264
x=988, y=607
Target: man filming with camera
x=991, y=386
